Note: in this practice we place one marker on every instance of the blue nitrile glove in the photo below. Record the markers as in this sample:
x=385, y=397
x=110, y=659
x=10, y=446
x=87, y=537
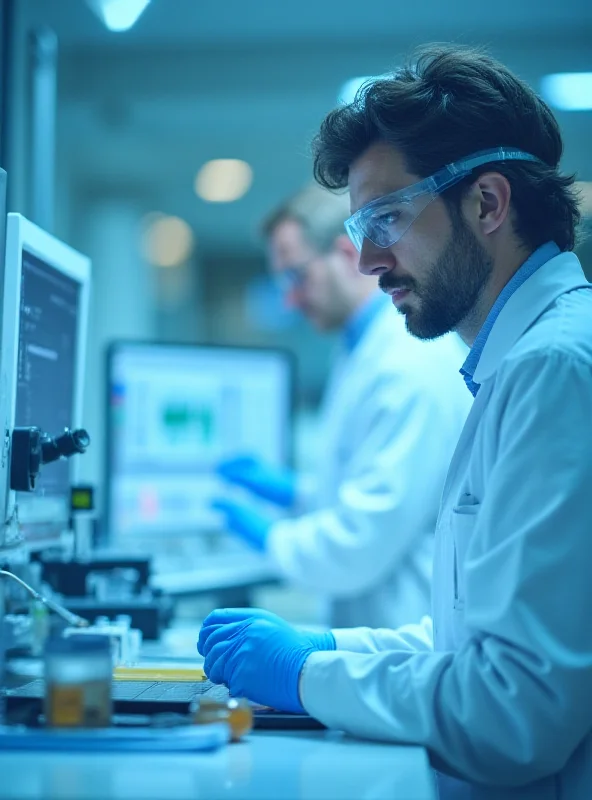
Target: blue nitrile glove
x=244, y=521
x=320, y=640
x=257, y=655
x=271, y=484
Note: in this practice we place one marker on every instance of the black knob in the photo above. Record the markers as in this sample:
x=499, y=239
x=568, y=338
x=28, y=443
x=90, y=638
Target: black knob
x=71, y=442
x=65, y=445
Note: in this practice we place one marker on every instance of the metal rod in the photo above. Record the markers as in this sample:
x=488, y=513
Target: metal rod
x=67, y=616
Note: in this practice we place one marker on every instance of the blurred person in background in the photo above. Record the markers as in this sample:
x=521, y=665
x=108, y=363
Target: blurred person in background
x=460, y=207
x=391, y=417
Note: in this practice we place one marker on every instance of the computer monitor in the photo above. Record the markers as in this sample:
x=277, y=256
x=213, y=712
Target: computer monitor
x=5, y=403
x=174, y=411
x=45, y=314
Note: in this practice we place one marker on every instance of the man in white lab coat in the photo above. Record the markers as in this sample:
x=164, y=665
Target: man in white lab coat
x=460, y=209
x=391, y=418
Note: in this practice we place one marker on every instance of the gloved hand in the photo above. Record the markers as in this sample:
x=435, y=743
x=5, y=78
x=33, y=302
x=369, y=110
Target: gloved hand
x=244, y=521
x=258, y=655
x=267, y=482
x=320, y=640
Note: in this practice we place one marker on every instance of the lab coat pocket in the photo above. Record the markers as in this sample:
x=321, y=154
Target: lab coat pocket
x=464, y=519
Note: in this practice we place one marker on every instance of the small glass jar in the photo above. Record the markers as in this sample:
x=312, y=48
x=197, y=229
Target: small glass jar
x=78, y=674
x=236, y=712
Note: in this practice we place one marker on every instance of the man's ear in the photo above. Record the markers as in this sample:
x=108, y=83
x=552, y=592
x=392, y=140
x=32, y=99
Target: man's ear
x=490, y=200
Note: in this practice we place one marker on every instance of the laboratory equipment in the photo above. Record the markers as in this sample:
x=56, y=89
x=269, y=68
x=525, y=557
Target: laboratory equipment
x=45, y=315
x=5, y=399
x=31, y=448
x=78, y=681
x=125, y=640
x=174, y=413
x=45, y=289
x=235, y=712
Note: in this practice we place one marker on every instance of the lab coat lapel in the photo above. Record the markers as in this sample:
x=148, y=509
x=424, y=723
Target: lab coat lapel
x=466, y=472
x=559, y=275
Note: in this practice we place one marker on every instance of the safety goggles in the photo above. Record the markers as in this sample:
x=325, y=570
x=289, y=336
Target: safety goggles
x=386, y=219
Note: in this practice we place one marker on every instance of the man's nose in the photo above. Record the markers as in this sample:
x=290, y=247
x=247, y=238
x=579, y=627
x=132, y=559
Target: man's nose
x=375, y=260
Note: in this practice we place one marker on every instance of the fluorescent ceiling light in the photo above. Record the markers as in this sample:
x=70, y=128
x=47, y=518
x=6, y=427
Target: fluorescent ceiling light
x=350, y=88
x=118, y=15
x=223, y=180
x=568, y=91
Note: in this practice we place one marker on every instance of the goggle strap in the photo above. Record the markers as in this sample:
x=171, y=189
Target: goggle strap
x=459, y=169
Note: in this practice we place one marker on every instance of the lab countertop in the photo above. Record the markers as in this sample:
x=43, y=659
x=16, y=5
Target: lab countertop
x=265, y=766
x=215, y=574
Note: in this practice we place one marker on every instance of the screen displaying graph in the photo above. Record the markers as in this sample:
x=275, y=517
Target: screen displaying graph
x=174, y=413
x=192, y=422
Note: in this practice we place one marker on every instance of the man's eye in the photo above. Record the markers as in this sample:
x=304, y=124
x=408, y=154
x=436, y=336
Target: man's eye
x=388, y=218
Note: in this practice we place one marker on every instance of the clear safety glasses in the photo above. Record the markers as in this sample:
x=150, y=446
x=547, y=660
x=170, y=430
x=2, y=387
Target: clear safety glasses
x=386, y=219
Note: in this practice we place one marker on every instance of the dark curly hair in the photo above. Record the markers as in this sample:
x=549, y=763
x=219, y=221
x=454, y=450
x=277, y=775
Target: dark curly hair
x=444, y=104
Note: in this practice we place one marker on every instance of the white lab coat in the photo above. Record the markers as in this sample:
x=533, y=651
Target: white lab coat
x=504, y=698
x=393, y=413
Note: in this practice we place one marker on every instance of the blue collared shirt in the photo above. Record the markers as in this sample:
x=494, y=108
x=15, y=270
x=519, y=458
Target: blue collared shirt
x=360, y=321
x=540, y=256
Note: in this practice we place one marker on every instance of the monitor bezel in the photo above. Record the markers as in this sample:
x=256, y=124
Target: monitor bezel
x=116, y=345
x=22, y=234
x=5, y=406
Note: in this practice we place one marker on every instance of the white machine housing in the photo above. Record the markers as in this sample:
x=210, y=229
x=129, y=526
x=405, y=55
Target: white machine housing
x=23, y=235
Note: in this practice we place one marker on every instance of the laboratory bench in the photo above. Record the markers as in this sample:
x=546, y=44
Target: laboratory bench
x=265, y=765
x=315, y=765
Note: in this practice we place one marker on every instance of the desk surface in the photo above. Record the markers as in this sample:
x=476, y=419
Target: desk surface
x=265, y=766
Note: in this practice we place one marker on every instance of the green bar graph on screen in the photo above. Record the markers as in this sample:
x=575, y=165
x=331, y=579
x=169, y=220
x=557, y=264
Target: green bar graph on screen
x=189, y=420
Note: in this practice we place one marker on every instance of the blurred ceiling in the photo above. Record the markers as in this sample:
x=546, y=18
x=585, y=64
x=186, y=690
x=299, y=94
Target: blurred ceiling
x=141, y=111
x=196, y=22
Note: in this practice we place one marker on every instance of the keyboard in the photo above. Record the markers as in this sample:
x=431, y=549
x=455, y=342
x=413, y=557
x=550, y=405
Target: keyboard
x=142, y=697
x=132, y=698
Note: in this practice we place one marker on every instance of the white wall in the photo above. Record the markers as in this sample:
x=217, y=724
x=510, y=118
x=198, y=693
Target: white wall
x=122, y=306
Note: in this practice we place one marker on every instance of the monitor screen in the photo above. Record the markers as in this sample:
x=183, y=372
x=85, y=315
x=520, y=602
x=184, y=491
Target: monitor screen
x=44, y=326
x=174, y=412
x=5, y=404
x=46, y=375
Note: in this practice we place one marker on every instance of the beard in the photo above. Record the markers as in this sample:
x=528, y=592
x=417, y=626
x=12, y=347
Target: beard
x=449, y=293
